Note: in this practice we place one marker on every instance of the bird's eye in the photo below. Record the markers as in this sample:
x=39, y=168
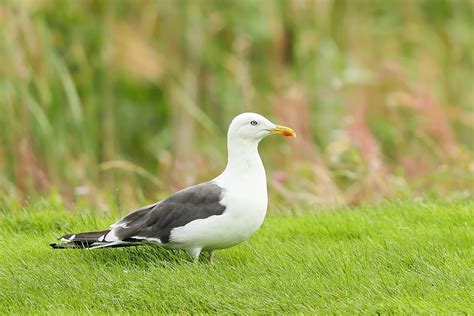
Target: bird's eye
x=253, y=123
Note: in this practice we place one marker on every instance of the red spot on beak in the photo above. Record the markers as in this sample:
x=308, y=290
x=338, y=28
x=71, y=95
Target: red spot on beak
x=288, y=134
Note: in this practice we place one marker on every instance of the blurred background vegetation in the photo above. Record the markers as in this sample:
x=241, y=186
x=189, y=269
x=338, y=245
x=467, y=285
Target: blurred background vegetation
x=109, y=104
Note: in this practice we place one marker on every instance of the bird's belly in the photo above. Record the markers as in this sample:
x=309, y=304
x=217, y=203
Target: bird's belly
x=218, y=231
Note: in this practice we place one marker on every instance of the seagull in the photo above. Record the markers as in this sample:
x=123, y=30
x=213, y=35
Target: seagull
x=213, y=215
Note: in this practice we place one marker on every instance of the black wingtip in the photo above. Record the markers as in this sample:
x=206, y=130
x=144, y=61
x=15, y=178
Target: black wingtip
x=57, y=246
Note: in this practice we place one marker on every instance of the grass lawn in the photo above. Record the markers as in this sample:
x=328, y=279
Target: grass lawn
x=400, y=257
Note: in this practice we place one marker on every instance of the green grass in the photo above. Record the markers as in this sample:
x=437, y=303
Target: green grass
x=400, y=257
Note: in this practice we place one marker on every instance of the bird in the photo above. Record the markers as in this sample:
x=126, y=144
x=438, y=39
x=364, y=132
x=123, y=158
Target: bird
x=206, y=217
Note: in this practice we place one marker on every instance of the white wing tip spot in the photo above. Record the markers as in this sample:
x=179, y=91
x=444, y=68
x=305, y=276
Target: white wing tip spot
x=68, y=239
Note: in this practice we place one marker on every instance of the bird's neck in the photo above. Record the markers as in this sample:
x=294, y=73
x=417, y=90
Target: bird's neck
x=244, y=162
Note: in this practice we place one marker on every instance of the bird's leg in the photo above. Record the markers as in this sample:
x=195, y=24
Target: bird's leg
x=194, y=253
x=209, y=258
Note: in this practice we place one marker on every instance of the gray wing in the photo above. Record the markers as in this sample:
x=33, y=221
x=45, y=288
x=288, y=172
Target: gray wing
x=157, y=220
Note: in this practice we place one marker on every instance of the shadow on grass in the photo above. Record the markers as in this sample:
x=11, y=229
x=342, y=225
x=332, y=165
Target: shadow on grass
x=133, y=257
x=152, y=257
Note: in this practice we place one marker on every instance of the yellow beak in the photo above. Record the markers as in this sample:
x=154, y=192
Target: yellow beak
x=283, y=130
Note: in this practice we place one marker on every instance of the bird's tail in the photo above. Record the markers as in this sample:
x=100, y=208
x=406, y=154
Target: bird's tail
x=90, y=240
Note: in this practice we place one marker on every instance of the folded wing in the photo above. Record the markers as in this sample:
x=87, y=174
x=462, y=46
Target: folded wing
x=155, y=222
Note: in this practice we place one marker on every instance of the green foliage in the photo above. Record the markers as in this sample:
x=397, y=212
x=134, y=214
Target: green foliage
x=88, y=87
x=400, y=257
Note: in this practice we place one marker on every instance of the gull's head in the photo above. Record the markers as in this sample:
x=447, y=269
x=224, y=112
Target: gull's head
x=253, y=127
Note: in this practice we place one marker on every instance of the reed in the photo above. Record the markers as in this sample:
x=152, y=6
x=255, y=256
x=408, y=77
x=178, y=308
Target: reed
x=382, y=92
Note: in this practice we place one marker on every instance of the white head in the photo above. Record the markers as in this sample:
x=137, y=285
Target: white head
x=253, y=127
